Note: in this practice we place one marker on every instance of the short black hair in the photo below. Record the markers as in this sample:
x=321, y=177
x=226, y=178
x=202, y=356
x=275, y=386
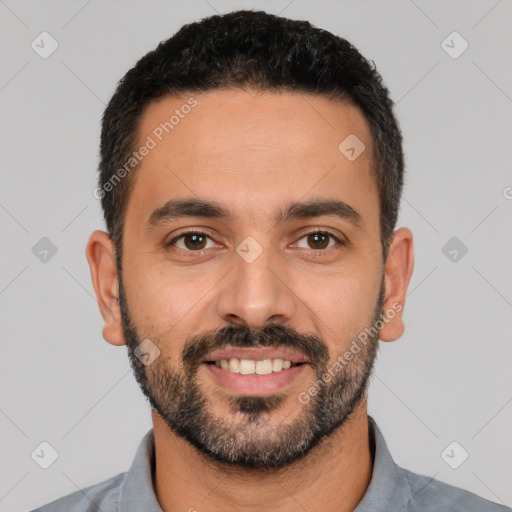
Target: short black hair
x=249, y=50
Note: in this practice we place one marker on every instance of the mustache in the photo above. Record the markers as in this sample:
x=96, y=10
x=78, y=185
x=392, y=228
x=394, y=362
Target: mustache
x=274, y=335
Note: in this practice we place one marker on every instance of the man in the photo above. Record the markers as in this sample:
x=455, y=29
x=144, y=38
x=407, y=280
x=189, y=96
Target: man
x=250, y=176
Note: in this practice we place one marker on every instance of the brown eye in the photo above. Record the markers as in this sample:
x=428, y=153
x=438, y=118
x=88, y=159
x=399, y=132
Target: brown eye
x=318, y=240
x=194, y=241
x=191, y=242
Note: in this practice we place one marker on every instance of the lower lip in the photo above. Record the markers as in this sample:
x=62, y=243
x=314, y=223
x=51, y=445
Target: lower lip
x=255, y=384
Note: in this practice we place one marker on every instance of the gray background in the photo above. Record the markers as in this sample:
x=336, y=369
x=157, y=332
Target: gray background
x=447, y=379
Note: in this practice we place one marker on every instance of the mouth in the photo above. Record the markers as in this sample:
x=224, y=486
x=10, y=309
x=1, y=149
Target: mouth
x=253, y=367
x=255, y=370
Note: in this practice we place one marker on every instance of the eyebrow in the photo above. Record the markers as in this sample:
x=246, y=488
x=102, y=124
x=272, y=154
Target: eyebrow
x=175, y=209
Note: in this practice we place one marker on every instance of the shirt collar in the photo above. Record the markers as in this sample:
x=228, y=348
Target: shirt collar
x=388, y=484
x=137, y=491
x=389, y=487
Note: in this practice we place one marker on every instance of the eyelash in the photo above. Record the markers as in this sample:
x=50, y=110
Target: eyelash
x=201, y=233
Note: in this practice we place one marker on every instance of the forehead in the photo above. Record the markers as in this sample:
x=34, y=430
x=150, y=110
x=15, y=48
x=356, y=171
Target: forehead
x=249, y=150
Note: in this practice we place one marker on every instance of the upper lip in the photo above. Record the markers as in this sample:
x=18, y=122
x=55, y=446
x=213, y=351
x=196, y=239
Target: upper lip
x=257, y=354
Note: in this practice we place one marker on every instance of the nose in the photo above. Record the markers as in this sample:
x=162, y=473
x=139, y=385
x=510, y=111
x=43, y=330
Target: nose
x=256, y=293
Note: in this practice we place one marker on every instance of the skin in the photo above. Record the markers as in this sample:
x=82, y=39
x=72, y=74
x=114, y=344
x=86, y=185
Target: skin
x=253, y=153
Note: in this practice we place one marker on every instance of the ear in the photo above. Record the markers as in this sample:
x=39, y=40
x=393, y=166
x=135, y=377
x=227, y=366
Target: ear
x=398, y=271
x=101, y=257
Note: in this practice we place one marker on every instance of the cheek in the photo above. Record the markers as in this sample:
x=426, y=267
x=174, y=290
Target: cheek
x=169, y=306
x=342, y=308
x=160, y=296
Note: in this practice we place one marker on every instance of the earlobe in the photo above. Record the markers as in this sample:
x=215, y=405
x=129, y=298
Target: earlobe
x=101, y=258
x=398, y=271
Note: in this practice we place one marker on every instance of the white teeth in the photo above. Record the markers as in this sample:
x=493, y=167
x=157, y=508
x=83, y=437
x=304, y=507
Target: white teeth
x=247, y=367
x=277, y=365
x=264, y=367
x=251, y=367
x=234, y=365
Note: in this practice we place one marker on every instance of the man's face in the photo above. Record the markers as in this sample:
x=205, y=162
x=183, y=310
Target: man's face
x=258, y=285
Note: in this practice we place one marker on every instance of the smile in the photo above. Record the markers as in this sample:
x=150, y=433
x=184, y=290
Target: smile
x=252, y=367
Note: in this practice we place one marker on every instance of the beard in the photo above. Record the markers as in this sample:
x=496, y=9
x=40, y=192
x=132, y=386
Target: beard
x=247, y=438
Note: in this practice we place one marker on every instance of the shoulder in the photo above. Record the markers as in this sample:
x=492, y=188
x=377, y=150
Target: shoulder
x=411, y=492
x=101, y=496
x=429, y=495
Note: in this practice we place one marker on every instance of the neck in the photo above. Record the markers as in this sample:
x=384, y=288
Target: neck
x=338, y=470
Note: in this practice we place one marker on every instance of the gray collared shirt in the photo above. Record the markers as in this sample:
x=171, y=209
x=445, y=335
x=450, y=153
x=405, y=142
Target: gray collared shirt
x=391, y=489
